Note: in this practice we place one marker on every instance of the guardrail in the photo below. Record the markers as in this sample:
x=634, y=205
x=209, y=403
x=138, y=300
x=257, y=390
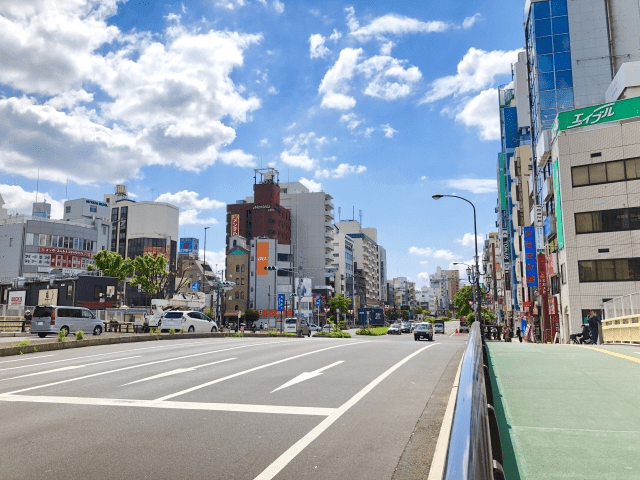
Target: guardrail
x=621, y=329
x=475, y=451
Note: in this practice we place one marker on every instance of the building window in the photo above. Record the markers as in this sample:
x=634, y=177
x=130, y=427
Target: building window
x=607, y=172
x=608, y=220
x=237, y=268
x=611, y=270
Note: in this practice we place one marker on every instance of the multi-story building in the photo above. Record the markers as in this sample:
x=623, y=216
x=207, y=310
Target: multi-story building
x=453, y=286
x=143, y=227
x=402, y=294
x=439, y=282
x=343, y=262
x=33, y=246
x=367, y=263
x=236, y=298
x=425, y=298
x=493, y=274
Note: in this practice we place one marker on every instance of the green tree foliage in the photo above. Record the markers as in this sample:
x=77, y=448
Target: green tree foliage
x=461, y=301
x=149, y=273
x=251, y=316
x=341, y=302
x=113, y=265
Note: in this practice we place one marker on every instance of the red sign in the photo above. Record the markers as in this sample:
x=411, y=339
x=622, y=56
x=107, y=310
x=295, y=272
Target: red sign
x=326, y=310
x=235, y=224
x=527, y=304
x=262, y=258
x=64, y=251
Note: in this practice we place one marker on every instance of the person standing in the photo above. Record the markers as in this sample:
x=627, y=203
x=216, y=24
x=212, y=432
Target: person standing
x=594, y=323
x=519, y=334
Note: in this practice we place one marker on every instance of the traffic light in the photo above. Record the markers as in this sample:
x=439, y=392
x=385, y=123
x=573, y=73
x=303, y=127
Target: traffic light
x=291, y=295
x=269, y=268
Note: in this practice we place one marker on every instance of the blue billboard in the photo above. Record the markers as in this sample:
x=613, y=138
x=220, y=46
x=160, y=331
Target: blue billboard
x=189, y=245
x=530, y=260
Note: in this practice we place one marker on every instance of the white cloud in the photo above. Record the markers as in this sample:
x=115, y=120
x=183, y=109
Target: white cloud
x=482, y=113
x=396, y=25
x=311, y=185
x=214, y=258
x=341, y=171
x=441, y=254
x=470, y=21
x=351, y=119
x=186, y=199
x=300, y=160
x=20, y=201
x=238, y=158
x=278, y=6
x=477, y=70
x=335, y=36
x=190, y=217
x=316, y=46
x=334, y=85
x=474, y=185
x=423, y=178
x=423, y=275
x=368, y=131
x=467, y=240
x=389, y=131
x=163, y=102
x=389, y=79
x=264, y=142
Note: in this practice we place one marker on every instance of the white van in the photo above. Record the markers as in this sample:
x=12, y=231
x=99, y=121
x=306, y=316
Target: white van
x=290, y=326
x=53, y=318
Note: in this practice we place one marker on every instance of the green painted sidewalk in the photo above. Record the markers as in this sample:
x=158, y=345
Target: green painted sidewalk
x=567, y=411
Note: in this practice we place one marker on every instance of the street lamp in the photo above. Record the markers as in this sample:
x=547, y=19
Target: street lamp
x=204, y=263
x=475, y=237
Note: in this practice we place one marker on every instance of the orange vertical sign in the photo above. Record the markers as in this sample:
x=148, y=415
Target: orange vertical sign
x=262, y=258
x=235, y=224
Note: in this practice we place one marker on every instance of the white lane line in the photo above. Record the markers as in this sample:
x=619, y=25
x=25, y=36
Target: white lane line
x=307, y=375
x=95, y=355
x=221, y=407
x=69, y=367
x=176, y=372
x=23, y=359
x=135, y=366
x=197, y=387
x=284, y=459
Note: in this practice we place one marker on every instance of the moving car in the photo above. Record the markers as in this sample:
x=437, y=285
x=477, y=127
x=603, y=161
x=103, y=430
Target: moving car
x=438, y=326
x=394, y=330
x=53, y=319
x=327, y=328
x=406, y=327
x=464, y=327
x=187, y=320
x=423, y=330
x=290, y=326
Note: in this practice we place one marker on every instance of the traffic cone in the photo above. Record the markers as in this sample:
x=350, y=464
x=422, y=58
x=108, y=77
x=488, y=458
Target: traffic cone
x=456, y=330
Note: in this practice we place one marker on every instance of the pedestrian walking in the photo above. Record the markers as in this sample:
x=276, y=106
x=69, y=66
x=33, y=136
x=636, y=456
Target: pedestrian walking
x=519, y=334
x=594, y=323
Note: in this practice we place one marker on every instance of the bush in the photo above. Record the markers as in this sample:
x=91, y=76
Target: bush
x=239, y=334
x=333, y=334
x=23, y=343
x=372, y=331
x=79, y=335
x=61, y=336
x=172, y=331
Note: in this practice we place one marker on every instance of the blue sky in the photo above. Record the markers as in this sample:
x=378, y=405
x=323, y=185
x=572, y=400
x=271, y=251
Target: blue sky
x=380, y=104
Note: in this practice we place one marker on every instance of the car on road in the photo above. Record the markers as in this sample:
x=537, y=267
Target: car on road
x=327, y=327
x=290, y=326
x=423, y=330
x=315, y=328
x=53, y=319
x=406, y=327
x=190, y=321
x=464, y=327
x=394, y=330
x=438, y=326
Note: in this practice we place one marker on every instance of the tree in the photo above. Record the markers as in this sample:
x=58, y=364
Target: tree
x=341, y=302
x=112, y=265
x=149, y=273
x=461, y=300
x=251, y=316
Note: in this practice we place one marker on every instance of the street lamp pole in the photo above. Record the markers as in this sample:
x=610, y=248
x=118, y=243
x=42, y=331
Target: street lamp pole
x=204, y=263
x=475, y=237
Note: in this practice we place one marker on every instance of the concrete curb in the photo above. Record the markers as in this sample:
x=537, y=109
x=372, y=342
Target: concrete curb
x=72, y=343
x=442, y=447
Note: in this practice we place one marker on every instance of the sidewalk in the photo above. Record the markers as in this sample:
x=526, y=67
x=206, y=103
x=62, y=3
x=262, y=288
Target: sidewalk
x=567, y=411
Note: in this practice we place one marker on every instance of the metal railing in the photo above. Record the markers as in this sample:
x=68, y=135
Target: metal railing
x=622, y=306
x=475, y=451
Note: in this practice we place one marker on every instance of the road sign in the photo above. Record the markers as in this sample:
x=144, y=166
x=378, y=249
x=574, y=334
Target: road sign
x=195, y=286
x=280, y=302
x=318, y=301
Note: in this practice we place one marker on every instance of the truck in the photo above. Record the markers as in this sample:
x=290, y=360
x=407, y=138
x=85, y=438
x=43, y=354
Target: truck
x=374, y=316
x=180, y=301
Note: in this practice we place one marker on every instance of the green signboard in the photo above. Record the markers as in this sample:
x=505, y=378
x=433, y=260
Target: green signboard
x=556, y=191
x=502, y=181
x=596, y=114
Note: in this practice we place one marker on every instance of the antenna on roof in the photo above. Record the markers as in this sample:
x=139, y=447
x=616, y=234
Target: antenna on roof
x=339, y=211
x=360, y=217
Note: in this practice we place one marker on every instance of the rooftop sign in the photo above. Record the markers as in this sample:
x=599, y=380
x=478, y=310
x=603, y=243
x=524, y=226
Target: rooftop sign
x=597, y=114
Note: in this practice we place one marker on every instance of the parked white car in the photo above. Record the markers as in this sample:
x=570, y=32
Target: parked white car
x=189, y=321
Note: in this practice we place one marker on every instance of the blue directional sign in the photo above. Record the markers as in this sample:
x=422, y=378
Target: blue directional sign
x=318, y=301
x=281, y=302
x=195, y=286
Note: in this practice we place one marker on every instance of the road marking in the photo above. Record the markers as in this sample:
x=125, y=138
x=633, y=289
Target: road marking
x=95, y=355
x=615, y=354
x=556, y=429
x=176, y=372
x=136, y=366
x=197, y=387
x=68, y=367
x=221, y=407
x=307, y=375
x=284, y=459
x=23, y=359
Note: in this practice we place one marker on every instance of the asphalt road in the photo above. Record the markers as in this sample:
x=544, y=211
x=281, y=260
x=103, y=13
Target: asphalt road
x=361, y=408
